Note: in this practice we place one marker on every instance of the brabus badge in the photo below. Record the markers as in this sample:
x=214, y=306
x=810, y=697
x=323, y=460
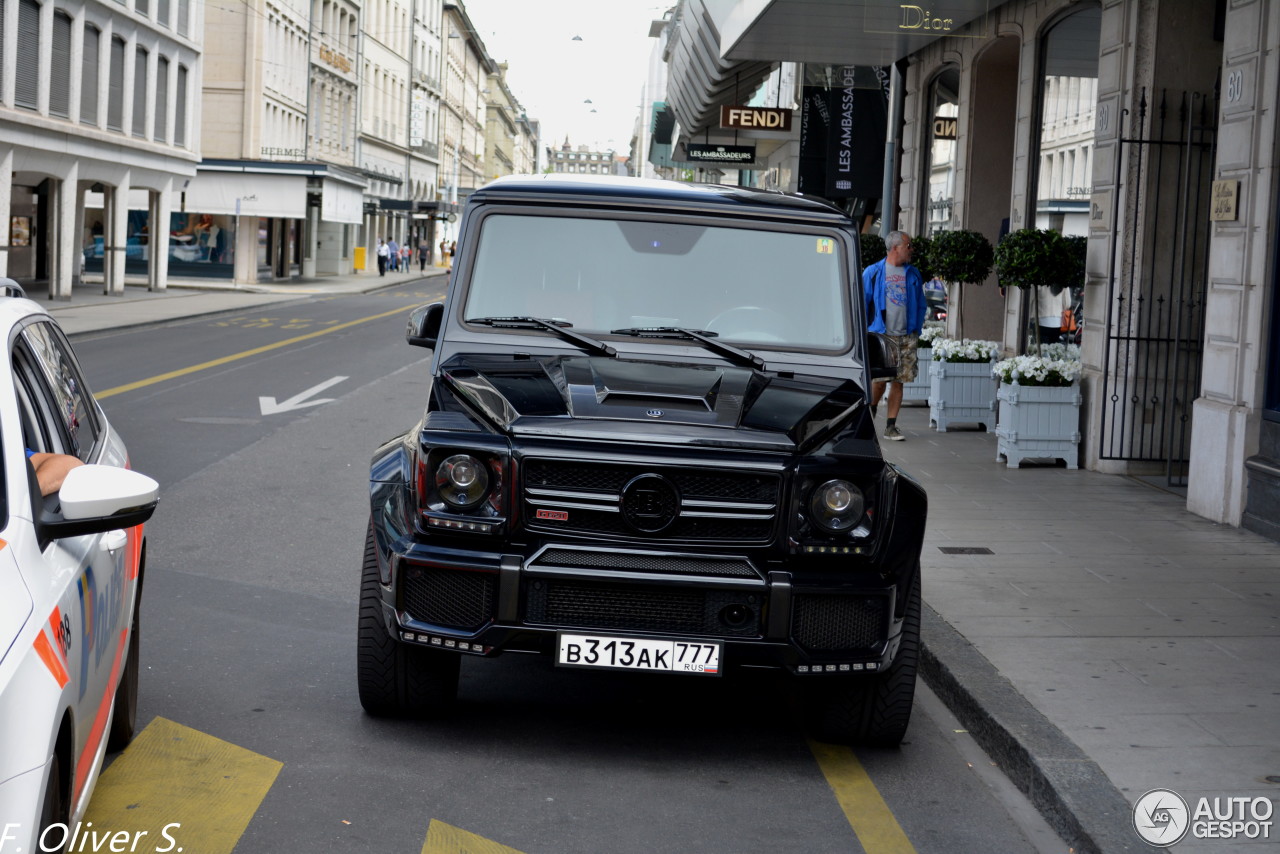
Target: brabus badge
x=554, y=515
x=654, y=413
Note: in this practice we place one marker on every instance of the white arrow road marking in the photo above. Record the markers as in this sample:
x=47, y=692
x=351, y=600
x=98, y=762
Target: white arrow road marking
x=269, y=406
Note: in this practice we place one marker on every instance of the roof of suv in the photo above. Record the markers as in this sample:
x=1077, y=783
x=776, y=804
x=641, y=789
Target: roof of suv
x=647, y=192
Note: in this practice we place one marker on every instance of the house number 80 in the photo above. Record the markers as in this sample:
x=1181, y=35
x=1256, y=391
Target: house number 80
x=1235, y=85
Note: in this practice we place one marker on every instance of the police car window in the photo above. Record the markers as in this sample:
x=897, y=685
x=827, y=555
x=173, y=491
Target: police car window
x=72, y=405
x=40, y=426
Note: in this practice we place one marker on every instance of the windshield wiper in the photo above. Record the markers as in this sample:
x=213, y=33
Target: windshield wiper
x=591, y=345
x=702, y=336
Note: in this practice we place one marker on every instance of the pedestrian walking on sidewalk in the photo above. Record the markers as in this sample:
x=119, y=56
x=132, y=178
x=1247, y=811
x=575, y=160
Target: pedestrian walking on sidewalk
x=893, y=291
x=384, y=253
x=424, y=255
x=394, y=256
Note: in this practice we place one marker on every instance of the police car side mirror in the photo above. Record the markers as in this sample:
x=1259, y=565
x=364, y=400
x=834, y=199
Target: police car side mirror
x=95, y=499
x=424, y=325
x=882, y=357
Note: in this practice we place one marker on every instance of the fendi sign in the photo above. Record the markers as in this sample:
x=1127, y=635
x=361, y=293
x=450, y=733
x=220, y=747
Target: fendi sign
x=755, y=118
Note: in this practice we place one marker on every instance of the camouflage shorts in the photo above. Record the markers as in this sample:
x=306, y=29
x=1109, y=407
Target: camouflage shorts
x=907, y=365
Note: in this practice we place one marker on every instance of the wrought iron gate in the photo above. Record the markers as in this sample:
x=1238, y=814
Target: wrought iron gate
x=1157, y=283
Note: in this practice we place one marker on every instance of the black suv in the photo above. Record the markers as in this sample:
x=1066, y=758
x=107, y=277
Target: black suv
x=647, y=446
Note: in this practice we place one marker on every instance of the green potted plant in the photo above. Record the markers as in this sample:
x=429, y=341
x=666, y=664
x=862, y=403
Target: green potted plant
x=872, y=248
x=959, y=258
x=1031, y=257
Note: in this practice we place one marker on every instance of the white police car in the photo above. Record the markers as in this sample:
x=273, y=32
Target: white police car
x=71, y=570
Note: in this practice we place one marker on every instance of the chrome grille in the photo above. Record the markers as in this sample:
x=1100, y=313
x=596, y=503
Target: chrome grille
x=714, y=506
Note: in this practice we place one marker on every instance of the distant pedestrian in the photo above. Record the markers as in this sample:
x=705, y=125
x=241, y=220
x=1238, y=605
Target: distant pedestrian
x=406, y=258
x=894, y=294
x=384, y=252
x=424, y=255
x=394, y=257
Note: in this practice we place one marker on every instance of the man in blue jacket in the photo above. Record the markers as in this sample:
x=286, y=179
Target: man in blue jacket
x=893, y=291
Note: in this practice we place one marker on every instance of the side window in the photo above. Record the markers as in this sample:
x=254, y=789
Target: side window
x=72, y=411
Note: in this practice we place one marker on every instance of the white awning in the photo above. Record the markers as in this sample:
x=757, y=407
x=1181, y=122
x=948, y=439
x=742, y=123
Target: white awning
x=248, y=194
x=341, y=202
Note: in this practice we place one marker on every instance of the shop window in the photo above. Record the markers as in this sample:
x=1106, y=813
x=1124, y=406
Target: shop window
x=89, y=75
x=939, y=179
x=1068, y=104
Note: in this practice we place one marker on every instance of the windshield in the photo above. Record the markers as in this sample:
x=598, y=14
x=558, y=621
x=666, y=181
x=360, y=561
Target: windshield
x=751, y=286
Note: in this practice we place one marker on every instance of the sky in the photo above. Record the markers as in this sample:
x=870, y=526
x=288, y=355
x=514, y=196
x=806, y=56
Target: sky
x=552, y=75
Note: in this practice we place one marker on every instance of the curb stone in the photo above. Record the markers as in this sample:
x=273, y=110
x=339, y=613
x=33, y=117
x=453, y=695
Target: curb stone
x=1069, y=789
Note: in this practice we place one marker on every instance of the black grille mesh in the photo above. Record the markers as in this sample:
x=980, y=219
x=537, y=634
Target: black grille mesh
x=452, y=598
x=838, y=623
x=646, y=563
x=619, y=607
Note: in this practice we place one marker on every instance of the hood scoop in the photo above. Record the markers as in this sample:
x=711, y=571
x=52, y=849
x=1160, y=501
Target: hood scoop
x=645, y=390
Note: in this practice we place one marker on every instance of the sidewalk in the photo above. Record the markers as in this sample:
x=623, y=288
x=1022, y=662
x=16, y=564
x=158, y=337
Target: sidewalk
x=1110, y=643
x=1109, y=631
x=90, y=310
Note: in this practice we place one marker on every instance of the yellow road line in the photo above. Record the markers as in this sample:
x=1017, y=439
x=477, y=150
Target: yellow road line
x=871, y=818
x=446, y=839
x=213, y=363
x=187, y=791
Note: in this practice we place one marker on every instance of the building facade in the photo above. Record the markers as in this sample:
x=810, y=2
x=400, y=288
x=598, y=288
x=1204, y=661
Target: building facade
x=99, y=132
x=1148, y=127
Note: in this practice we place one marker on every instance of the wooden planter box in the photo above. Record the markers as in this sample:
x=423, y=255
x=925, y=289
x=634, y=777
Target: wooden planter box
x=961, y=393
x=918, y=391
x=1038, y=422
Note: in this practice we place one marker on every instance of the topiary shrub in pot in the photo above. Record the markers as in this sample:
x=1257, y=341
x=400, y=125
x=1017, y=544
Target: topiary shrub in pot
x=960, y=258
x=872, y=248
x=1031, y=257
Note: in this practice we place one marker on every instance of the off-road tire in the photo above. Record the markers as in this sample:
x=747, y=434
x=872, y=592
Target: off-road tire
x=395, y=679
x=870, y=711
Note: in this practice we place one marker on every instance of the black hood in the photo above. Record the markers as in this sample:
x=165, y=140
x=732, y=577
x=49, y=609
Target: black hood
x=611, y=398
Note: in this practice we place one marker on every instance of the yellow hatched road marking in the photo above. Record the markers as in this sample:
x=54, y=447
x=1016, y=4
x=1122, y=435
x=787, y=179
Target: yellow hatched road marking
x=172, y=774
x=446, y=839
x=213, y=363
x=871, y=818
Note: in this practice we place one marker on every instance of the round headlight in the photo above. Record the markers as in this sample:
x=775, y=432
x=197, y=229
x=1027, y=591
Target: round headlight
x=836, y=505
x=462, y=481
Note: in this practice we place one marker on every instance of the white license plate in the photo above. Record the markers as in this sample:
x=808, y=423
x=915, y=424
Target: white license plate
x=670, y=656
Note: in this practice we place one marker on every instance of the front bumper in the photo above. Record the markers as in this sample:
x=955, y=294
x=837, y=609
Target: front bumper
x=484, y=603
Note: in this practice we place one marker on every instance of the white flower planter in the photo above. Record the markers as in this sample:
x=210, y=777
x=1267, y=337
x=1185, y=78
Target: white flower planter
x=919, y=390
x=961, y=393
x=1038, y=422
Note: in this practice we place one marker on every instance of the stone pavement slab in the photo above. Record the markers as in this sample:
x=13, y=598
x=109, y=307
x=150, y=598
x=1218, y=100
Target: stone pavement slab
x=1143, y=640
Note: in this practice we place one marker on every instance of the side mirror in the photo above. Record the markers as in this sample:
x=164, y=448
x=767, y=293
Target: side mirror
x=882, y=357
x=95, y=499
x=424, y=325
